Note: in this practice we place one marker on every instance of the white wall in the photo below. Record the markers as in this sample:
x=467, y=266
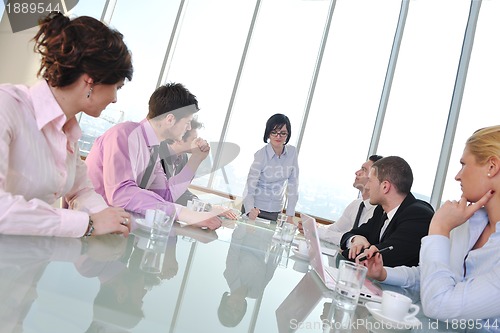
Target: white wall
x=18, y=62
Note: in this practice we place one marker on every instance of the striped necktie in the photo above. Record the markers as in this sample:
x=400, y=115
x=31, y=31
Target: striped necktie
x=150, y=167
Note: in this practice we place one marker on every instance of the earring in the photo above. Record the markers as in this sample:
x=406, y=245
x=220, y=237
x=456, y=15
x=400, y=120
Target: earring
x=90, y=92
x=489, y=175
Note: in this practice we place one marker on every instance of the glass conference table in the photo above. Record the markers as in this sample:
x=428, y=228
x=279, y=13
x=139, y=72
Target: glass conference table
x=235, y=279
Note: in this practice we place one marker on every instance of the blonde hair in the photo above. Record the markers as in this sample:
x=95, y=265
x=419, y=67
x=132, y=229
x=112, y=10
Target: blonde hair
x=484, y=144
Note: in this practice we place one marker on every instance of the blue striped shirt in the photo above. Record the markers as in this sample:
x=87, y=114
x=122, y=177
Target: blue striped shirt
x=455, y=280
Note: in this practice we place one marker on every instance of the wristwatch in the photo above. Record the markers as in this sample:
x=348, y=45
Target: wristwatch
x=90, y=228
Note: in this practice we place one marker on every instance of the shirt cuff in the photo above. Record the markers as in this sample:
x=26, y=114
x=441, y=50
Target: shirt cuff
x=392, y=278
x=349, y=242
x=73, y=223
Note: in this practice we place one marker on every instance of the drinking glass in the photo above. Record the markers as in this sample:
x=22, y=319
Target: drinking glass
x=153, y=257
x=350, y=280
x=288, y=232
x=163, y=220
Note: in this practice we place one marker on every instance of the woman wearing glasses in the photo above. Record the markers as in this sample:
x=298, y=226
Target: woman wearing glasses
x=274, y=172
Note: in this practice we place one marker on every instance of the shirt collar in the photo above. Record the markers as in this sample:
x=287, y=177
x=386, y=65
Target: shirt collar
x=149, y=133
x=47, y=110
x=367, y=203
x=45, y=105
x=270, y=151
x=391, y=214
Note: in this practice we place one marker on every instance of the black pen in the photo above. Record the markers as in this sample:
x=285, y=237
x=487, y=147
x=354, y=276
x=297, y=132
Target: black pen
x=379, y=251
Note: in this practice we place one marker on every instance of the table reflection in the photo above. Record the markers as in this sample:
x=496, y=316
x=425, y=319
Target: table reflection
x=118, y=305
x=23, y=261
x=250, y=265
x=234, y=279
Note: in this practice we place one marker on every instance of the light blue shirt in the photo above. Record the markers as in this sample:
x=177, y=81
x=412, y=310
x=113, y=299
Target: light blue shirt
x=269, y=177
x=456, y=281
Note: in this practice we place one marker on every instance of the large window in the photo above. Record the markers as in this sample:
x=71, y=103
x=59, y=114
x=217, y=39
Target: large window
x=340, y=123
x=246, y=60
x=207, y=58
x=89, y=8
x=423, y=86
x=480, y=104
x=276, y=78
x=148, y=46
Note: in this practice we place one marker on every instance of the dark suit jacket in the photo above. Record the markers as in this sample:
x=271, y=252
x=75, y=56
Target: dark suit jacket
x=404, y=232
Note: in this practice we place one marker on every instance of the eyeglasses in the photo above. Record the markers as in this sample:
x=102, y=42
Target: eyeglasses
x=281, y=134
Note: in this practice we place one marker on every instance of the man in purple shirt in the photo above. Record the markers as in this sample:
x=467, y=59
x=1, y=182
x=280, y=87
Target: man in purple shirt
x=123, y=163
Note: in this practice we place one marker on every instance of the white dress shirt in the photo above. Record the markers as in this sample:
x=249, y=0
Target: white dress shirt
x=456, y=281
x=333, y=233
x=390, y=215
x=39, y=164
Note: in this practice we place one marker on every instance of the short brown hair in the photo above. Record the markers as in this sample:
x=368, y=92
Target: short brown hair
x=395, y=170
x=170, y=97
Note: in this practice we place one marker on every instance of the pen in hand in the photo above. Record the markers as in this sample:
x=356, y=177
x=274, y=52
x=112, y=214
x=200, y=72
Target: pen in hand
x=379, y=251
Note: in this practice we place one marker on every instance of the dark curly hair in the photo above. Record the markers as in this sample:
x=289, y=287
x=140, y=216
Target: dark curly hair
x=70, y=48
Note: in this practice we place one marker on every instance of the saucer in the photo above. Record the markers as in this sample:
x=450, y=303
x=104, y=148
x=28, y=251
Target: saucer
x=299, y=254
x=376, y=311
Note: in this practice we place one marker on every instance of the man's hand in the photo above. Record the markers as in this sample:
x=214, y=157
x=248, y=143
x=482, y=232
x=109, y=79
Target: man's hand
x=368, y=253
x=358, y=244
x=211, y=223
x=200, y=149
x=375, y=265
x=225, y=212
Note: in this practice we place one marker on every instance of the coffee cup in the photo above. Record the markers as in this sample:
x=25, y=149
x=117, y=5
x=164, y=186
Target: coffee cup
x=398, y=307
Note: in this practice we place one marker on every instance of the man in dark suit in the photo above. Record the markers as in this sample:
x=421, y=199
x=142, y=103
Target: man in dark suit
x=400, y=220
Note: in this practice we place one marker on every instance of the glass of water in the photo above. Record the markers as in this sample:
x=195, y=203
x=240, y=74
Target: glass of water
x=280, y=221
x=350, y=280
x=163, y=219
